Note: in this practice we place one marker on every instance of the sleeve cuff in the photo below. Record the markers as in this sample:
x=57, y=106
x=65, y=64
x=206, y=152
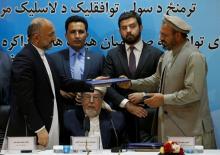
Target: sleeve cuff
x=123, y=103
x=168, y=98
x=43, y=127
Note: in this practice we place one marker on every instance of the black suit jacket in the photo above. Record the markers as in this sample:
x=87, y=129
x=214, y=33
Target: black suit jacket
x=73, y=121
x=32, y=97
x=5, y=71
x=93, y=63
x=116, y=64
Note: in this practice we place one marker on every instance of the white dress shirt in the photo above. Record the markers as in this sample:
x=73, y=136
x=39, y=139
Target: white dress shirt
x=95, y=129
x=138, y=47
x=54, y=130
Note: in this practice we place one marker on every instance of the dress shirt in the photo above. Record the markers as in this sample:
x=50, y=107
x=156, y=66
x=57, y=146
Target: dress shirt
x=137, y=52
x=95, y=129
x=54, y=130
x=77, y=63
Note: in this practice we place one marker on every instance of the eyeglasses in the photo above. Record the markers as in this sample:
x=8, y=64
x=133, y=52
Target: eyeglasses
x=91, y=98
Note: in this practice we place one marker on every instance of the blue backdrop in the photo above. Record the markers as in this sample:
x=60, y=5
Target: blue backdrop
x=103, y=29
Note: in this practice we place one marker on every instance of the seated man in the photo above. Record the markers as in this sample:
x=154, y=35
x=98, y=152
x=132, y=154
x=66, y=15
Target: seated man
x=103, y=123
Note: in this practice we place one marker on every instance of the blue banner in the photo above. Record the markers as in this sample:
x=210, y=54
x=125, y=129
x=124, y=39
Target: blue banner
x=102, y=16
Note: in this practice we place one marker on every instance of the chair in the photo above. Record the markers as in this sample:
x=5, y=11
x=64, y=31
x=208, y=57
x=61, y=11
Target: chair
x=4, y=115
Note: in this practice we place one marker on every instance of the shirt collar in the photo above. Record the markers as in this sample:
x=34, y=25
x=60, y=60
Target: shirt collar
x=39, y=50
x=73, y=52
x=138, y=46
x=178, y=48
x=94, y=119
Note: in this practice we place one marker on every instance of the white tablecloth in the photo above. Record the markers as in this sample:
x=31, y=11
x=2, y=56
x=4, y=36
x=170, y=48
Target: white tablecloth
x=104, y=152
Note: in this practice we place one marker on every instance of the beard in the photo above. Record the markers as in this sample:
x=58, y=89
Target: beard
x=164, y=46
x=131, y=39
x=91, y=112
x=47, y=46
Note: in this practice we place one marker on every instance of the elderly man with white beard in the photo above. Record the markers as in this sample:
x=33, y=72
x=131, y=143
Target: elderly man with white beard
x=96, y=120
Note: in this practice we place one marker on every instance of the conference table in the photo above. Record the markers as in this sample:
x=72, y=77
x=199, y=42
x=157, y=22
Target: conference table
x=102, y=152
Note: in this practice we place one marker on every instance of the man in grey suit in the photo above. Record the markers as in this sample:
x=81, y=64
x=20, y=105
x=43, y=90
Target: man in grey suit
x=181, y=78
x=134, y=59
x=76, y=61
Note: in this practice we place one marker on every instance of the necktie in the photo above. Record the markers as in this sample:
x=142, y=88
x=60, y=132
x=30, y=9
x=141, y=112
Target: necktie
x=77, y=67
x=132, y=61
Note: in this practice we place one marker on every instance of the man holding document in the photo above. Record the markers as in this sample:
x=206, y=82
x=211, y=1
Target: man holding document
x=134, y=59
x=181, y=79
x=36, y=109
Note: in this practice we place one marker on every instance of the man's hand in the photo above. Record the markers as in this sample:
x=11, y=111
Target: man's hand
x=136, y=110
x=78, y=98
x=102, y=78
x=155, y=100
x=136, y=98
x=67, y=95
x=43, y=137
x=124, y=85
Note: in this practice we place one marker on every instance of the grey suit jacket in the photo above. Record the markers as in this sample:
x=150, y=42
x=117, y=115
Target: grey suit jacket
x=185, y=93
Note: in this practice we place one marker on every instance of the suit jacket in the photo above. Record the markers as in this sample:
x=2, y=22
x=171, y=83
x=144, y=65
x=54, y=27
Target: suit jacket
x=186, y=100
x=5, y=70
x=109, y=121
x=32, y=97
x=93, y=63
x=116, y=64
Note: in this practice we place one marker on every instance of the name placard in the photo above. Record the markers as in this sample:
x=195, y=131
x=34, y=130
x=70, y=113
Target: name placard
x=21, y=143
x=185, y=142
x=85, y=143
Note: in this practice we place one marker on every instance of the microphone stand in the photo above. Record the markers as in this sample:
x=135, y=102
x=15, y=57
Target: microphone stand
x=117, y=148
x=87, y=150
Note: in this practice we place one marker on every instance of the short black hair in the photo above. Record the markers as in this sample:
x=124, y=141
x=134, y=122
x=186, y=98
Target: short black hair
x=130, y=14
x=76, y=19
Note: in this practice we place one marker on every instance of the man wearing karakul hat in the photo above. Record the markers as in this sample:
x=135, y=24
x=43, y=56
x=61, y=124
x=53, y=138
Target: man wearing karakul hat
x=181, y=78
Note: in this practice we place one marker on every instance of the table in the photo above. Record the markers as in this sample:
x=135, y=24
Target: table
x=103, y=152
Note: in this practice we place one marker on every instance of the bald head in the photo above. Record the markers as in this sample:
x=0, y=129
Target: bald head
x=41, y=33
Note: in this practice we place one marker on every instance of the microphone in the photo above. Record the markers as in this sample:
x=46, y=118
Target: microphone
x=174, y=122
x=86, y=125
x=117, y=148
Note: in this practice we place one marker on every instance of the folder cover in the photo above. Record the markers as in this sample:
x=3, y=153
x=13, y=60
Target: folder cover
x=144, y=145
x=107, y=81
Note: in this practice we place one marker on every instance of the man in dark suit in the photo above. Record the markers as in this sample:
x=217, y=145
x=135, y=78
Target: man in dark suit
x=134, y=59
x=95, y=121
x=36, y=110
x=5, y=70
x=76, y=61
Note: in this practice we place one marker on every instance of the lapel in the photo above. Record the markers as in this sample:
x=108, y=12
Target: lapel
x=142, y=60
x=105, y=129
x=88, y=64
x=40, y=64
x=66, y=63
x=53, y=72
x=122, y=57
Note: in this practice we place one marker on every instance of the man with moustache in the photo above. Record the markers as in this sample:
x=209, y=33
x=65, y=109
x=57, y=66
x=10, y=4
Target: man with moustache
x=96, y=121
x=181, y=78
x=77, y=61
x=134, y=59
